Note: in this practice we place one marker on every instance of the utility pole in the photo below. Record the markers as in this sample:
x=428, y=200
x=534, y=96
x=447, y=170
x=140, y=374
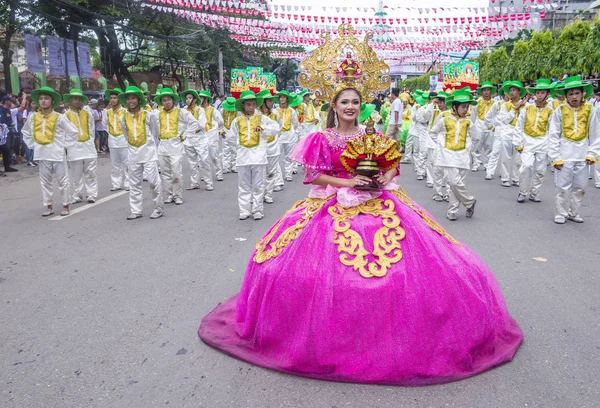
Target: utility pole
x=221, y=82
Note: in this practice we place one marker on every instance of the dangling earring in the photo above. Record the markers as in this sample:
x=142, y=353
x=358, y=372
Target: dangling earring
x=335, y=119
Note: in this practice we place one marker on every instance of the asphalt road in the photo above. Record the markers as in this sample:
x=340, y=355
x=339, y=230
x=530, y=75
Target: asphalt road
x=97, y=311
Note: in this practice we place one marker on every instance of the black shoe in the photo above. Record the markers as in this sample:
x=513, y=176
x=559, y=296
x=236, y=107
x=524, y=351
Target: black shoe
x=10, y=170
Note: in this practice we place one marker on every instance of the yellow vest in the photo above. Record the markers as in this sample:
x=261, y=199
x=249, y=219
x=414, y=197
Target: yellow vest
x=228, y=117
x=572, y=131
x=536, y=120
x=169, y=123
x=247, y=136
x=483, y=107
x=44, y=127
x=456, y=140
x=114, y=121
x=209, y=114
x=285, y=114
x=135, y=125
x=81, y=121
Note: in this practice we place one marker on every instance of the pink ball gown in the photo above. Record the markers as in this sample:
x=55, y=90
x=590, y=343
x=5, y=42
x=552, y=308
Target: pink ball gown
x=363, y=287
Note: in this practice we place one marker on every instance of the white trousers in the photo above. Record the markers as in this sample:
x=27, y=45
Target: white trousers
x=532, y=172
x=429, y=159
x=410, y=148
x=215, y=152
x=570, y=183
x=229, y=152
x=118, y=167
x=49, y=170
x=286, y=150
x=137, y=171
x=421, y=160
x=171, y=174
x=440, y=182
x=251, y=188
x=198, y=158
x=83, y=174
x=273, y=174
x=481, y=150
x=458, y=191
x=595, y=174
x=494, y=157
x=510, y=161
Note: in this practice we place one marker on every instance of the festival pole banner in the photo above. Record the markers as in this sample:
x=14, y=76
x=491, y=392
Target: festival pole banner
x=460, y=75
x=85, y=60
x=34, y=53
x=56, y=55
x=253, y=76
x=272, y=83
x=238, y=82
x=71, y=64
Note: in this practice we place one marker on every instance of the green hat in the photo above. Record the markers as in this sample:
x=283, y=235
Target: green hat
x=486, y=85
x=443, y=95
x=229, y=104
x=420, y=100
x=187, y=92
x=110, y=92
x=247, y=96
x=205, y=94
x=425, y=95
x=541, y=84
x=460, y=96
x=555, y=87
x=296, y=101
x=514, y=84
x=75, y=93
x=501, y=90
x=575, y=82
x=265, y=94
x=366, y=110
x=304, y=93
x=325, y=107
x=289, y=96
x=132, y=90
x=56, y=98
x=419, y=92
x=165, y=92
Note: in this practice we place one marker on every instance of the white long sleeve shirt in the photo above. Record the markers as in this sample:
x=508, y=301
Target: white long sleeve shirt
x=49, y=135
x=507, y=120
x=111, y=119
x=141, y=132
x=172, y=126
x=214, y=122
x=192, y=137
x=479, y=113
x=252, y=146
x=288, y=118
x=85, y=147
x=574, y=134
x=454, y=141
x=531, y=131
x=273, y=149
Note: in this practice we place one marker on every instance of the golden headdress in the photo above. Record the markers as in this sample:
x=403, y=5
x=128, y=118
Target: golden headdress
x=345, y=62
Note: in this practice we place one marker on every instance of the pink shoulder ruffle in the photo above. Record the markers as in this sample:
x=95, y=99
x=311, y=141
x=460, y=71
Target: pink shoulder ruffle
x=314, y=154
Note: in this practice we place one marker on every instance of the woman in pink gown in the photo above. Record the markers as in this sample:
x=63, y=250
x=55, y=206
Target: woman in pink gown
x=362, y=286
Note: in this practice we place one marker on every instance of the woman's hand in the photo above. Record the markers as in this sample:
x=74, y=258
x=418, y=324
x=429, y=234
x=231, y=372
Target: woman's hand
x=386, y=177
x=358, y=180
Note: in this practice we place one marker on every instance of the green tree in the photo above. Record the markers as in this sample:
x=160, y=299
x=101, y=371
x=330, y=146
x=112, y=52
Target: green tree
x=496, y=65
x=589, y=60
x=537, y=62
x=568, y=48
x=483, y=66
x=515, y=68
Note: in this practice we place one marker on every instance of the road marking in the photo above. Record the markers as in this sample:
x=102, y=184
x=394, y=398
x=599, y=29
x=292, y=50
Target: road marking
x=88, y=206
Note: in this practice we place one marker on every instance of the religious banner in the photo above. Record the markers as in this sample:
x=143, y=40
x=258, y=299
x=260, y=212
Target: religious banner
x=271, y=82
x=238, y=82
x=253, y=77
x=460, y=75
x=56, y=55
x=71, y=64
x=85, y=60
x=34, y=53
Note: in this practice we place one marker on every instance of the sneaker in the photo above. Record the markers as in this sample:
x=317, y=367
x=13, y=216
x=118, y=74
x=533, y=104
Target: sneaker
x=257, y=217
x=193, y=187
x=488, y=177
x=278, y=188
x=288, y=179
x=169, y=200
x=209, y=188
x=515, y=183
x=597, y=185
x=268, y=200
x=405, y=161
x=126, y=188
x=48, y=212
x=157, y=213
x=219, y=178
x=115, y=189
x=76, y=200
x=133, y=216
x=559, y=219
x=575, y=218
x=91, y=200
x=429, y=185
x=439, y=199
x=471, y=210
x=506, y=183
x=234, y=170
x=534, y=198
x=420, y=178
x=178, y=201
x=10, y=170
x=521, y=198
x=447, y=198
x=474, y=169
x=295, y=172
x=244, y=217
x=30, y=164
x=64, y=212
x=452, y=217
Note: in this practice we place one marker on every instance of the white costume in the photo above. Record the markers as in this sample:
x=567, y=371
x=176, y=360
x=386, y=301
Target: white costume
x=440, y=189
x=310, y=115
x=214, y=124
x=117, y=144
x=421, y=121
x=83, y=157
x=510, y=160
x=491, y=122
x=230, y=143
x=288, y=137
x=412, y=139
x=196, y=149
x=141, y=131
x=252, y=161
x=483, y=134
x=274, y=175
x=49, y=136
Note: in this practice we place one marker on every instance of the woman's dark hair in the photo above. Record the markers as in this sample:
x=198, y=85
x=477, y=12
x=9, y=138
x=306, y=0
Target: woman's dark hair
x=331, y=112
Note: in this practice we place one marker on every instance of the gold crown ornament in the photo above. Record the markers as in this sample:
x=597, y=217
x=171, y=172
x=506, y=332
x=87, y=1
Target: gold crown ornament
x=345, y=62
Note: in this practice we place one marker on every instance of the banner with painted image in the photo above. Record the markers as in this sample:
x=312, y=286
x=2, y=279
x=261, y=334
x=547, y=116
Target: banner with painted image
x=253, y=77
x=34, y=54
x=238, y=82
x=460, y=75
x=71, y=64
x=56, y=55
x=85, y=60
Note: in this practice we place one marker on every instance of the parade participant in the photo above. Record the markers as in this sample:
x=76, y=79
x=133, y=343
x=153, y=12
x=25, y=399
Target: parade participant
x=49, y=133
x=483, y=135
x=557, y=99
x=289, y=126
x=454, y=152
x=311, y=119
x=274, y=175
x=574, y=143
x=411, y=146
x=195, y=146
x=422, y=119
x=323, y=116
x=491, y=122
x=396, y=109
x=214, y=124
x=174, y=123
x=82, y=156
x=117, y=144
x=440, y=190
x=392, y=297
x=251, y=129
x=531, y=140
x=230, y=143
x=141, y=130
x=510, y=161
